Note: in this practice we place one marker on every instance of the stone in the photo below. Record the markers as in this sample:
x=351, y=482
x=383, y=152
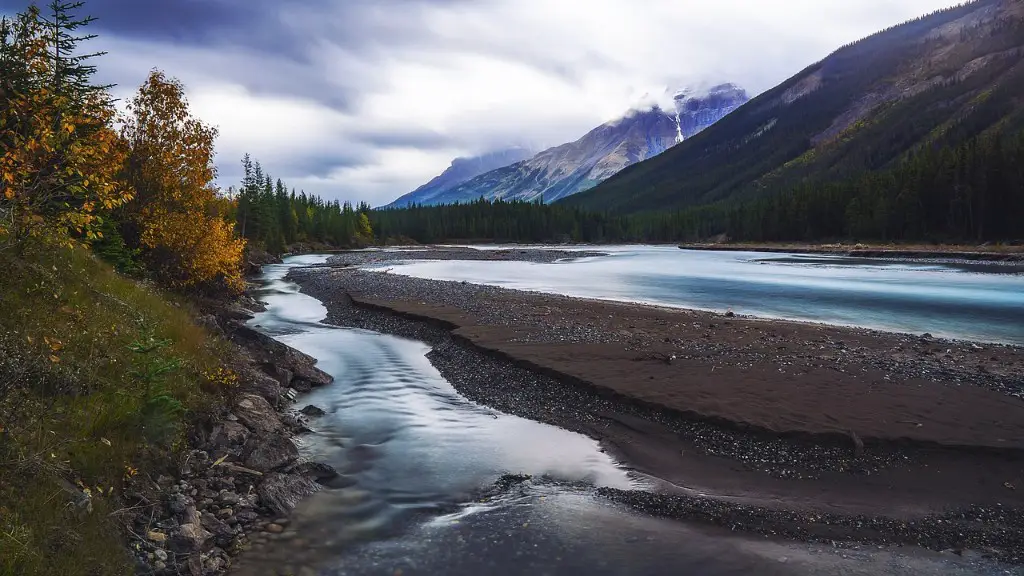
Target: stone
x=274, y=528
x=157, y=537
x=258, y=415
x=225, y=513
x=264, y=385
x=159, y=554
x=209, y=322
x=270, y=453
x=190, y=538
x=229, y=435
x=179, y=503
x=313, y=411
x=281, y=374
x=316, y=470
x=282, y=492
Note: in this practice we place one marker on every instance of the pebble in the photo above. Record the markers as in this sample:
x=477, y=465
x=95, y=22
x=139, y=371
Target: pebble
x=274, y=528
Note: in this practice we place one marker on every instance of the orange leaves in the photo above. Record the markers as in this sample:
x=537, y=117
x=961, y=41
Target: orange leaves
x=57, y=161
x=170, y=168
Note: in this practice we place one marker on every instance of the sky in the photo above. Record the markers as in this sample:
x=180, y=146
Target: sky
x=368, y=99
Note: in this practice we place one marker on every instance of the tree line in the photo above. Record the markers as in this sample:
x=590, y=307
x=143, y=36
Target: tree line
x=271, y=216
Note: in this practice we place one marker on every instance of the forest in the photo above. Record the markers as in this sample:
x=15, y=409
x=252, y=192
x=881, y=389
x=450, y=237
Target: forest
x=973, y=192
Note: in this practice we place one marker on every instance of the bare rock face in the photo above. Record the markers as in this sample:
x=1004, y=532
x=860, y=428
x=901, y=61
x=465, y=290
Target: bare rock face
x=258, y=415
x=282, y=492
x=267, y=453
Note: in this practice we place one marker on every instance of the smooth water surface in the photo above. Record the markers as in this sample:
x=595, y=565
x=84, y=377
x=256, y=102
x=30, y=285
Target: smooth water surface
x=970, y=301
x=415, y=451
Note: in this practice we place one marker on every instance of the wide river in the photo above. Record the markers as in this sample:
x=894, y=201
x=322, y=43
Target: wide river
x=415, y=451
x=969, y=301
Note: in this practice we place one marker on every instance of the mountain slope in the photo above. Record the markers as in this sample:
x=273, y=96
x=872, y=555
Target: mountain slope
x=936, y=80
x=604, y=151
x=461, y=170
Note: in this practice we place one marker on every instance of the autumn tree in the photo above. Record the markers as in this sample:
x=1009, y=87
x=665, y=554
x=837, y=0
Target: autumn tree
x=58, y=154
x=176, y=215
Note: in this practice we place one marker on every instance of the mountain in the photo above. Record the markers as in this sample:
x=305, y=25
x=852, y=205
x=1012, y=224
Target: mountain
x=697, y=110
x=934, y=82
x=604, y=151
x=461, y=170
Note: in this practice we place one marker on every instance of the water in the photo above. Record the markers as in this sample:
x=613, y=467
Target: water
x=415, y=451
x=970, y=301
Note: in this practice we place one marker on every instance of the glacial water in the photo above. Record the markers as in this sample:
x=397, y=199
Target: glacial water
x=969, y=301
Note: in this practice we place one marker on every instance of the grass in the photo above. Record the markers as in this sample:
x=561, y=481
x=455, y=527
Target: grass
x=100, y=376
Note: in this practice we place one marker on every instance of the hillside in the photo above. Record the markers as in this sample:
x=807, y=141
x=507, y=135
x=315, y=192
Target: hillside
x=935, y=81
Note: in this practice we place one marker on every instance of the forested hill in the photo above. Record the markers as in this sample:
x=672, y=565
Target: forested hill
x=932, y=83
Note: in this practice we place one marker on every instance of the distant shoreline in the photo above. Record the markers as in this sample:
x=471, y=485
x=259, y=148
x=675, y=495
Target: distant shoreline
x=909, y=252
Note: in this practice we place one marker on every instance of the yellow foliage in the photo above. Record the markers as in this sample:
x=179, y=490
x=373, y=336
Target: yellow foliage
x=170, y=167
x=59, y=159
x=193, y=250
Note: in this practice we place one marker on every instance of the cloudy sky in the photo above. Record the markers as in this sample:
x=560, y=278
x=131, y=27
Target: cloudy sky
x=367, y=99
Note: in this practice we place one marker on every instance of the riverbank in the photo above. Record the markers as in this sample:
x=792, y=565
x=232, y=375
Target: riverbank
x=989, y=253
x=806, y=431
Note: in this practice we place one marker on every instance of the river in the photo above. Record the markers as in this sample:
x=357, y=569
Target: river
x=969, y=301
x=415, y=452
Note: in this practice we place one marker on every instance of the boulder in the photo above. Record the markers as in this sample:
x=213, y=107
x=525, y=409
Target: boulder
x=309, y=375
x=229, y=435
x=313, y=411
x=280, y=373
x=272, y=452
x=258, y=415
x=190, y=538
x=264, y=385
x=275, y=357
x=316, y=470
x=282, y=492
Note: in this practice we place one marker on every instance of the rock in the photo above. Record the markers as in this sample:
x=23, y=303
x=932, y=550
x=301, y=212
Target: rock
x=258, y=415
x=313, y=411
x=229, y=435
x=233, y=311
x=730, y=314
x=220, y=530
x=190, y=538
x=263, y=385
x=157, y=537
x=268, y=453
x=274, y=357
x=274, y=528
x=178, y=504
x=160, y=555
x=316, y=470
x=282, y=492
x=195, y=461
x=209, y=322
x=281, y=374
x=225, y=513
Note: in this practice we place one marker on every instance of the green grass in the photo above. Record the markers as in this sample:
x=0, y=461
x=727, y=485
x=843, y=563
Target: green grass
x=99, y=375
